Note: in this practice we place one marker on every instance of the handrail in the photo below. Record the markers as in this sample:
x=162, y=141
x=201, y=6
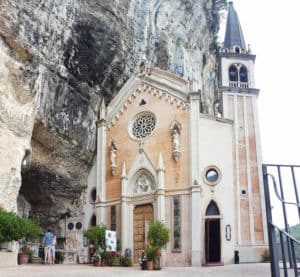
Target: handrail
x=277, y=194
x=287, y=241
x=286, y=233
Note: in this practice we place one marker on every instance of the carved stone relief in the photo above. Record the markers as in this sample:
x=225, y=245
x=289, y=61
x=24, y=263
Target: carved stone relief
x=143, y=184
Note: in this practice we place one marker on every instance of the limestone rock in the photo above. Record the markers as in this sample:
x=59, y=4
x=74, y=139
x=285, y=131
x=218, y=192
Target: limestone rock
x=57, y=59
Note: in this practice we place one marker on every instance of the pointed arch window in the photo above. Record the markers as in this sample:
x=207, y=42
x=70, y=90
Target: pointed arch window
x=212, y=209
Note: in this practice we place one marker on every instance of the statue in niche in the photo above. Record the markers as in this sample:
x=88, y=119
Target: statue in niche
x=175, y=138
x=175, y=133
x=113, y=154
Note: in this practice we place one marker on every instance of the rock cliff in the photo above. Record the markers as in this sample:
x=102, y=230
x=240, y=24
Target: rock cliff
x=58, y=58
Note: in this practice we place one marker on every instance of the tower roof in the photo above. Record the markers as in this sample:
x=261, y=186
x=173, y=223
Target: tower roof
x=234, y=34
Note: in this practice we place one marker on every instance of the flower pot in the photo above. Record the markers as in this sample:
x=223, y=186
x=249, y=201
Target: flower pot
x=98, y=263
x=22, y=258
x=103, y=262
x=150, y=265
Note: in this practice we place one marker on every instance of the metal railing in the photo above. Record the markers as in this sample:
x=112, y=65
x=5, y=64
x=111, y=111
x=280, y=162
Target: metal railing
x=281, y=193
x=233, y=84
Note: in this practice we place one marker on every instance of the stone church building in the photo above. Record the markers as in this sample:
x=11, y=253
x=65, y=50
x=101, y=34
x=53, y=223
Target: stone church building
x=159, y=157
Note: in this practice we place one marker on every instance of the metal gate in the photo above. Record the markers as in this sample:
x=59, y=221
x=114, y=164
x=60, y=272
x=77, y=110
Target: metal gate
x=283, y=217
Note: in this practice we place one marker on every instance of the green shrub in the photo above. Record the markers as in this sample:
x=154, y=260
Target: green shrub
x=13, y=227
x=125, y=261
x=151, y=253
x=97, y=235
x=158, y=234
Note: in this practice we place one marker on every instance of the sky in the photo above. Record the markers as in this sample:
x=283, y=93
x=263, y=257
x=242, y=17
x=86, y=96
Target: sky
x=272, y=30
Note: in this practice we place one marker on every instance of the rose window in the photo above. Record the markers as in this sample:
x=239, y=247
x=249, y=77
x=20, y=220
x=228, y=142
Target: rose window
x=143, y=125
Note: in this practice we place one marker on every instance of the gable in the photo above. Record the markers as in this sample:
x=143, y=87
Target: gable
x=163, y=85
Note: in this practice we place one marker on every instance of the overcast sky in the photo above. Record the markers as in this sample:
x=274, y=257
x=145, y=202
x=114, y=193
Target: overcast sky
x=272, y=30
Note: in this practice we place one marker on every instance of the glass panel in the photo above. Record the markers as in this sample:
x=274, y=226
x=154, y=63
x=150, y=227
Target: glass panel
x=212, y=209
x=233, y=76
x=113, y=224
x=243, y=75
x=176, y=224
x=212, y=175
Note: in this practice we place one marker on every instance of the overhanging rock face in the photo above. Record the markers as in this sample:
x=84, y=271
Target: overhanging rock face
x=57, y=60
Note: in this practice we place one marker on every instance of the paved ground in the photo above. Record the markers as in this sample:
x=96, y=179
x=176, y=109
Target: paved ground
x=241, y=270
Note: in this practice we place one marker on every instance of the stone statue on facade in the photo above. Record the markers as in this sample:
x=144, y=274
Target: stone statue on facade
x=176, y=142
x=113, y=154
x=176, y=133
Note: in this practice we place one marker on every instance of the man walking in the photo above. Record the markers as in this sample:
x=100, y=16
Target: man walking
x=48, y=240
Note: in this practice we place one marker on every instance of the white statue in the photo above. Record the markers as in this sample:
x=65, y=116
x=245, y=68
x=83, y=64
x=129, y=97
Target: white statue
x=175, y=137
x=113, y=154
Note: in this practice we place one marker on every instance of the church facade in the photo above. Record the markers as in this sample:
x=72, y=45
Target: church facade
x=159, y=157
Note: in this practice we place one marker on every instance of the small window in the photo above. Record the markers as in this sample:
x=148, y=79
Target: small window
x=211, y=175
x=78, y=225
x=93, y=220
x=237, y=50
x=243, y=192
x=212, y=209
x=70, y=226
x=93, y=195
x=143, y=102
x=176, y=224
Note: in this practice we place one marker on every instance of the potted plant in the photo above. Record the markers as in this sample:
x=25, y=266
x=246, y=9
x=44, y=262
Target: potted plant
x=26, y=254
x=150, y=253
x=97, y=236
x=158, y=237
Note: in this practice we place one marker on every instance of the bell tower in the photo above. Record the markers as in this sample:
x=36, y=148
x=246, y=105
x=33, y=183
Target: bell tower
x=239, y=98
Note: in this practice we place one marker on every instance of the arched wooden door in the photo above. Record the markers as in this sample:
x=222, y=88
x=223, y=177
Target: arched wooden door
x=141, y=217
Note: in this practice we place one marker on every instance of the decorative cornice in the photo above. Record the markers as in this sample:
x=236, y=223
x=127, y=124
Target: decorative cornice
x=242, y=56
x=230, y=90
x=147, y=88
